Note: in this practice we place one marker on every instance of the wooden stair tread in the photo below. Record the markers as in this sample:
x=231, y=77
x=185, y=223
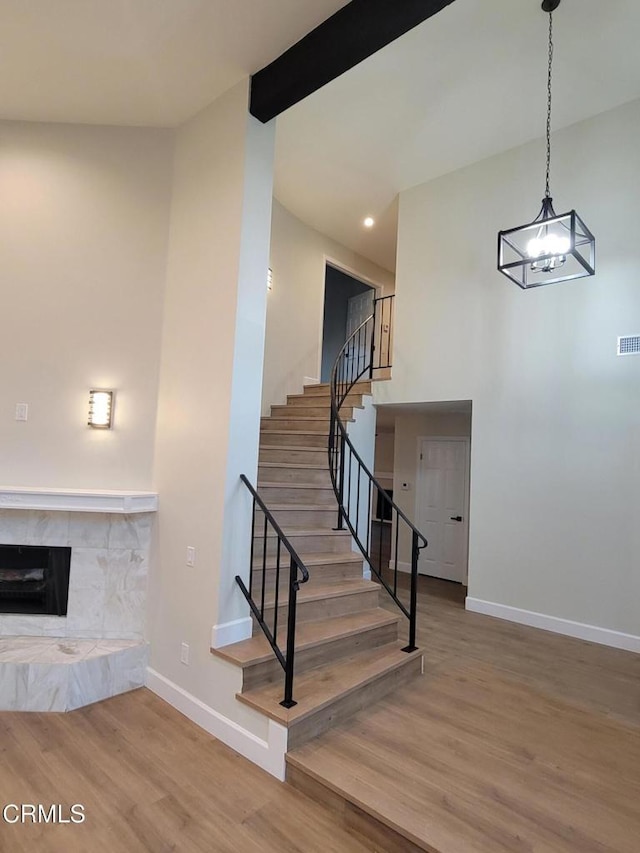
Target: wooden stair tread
x=288, y=507
x=322, y=558
x=308, y=635
x=303, y=531
x=305, y=465
x=360, y=384
x=271, y=484
x=290, y=431
x=318, y=688
x=294, y=447
x=327, y=590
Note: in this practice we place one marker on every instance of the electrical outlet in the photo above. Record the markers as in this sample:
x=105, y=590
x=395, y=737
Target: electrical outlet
x=191, y=555
x=22, y=411
x=184, y=654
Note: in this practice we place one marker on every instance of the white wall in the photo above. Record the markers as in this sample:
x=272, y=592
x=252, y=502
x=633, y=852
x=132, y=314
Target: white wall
x=293, y=348
x=84, y=215
x=207, y=425
x=362, y=432
x=556, y=415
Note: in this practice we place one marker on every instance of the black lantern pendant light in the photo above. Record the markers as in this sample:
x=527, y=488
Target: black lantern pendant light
x=553, y=247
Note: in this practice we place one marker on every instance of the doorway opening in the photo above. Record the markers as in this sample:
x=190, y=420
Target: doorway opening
x=423, y=456
x=348, y=302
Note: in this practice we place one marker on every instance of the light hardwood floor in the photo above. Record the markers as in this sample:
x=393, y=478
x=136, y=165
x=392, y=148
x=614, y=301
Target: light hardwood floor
x=515, y=740
x=151, y=782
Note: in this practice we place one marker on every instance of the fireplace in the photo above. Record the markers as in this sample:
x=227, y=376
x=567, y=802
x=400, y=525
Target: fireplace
x=34, y=579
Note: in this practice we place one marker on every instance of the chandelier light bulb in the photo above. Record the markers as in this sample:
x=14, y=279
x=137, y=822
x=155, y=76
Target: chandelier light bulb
x=549, y=244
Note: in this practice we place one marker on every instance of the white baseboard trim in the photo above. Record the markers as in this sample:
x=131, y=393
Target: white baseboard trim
x=310, y=380
x=402, y=567
x=268, y=754
x=579, y=630
x=231, y=632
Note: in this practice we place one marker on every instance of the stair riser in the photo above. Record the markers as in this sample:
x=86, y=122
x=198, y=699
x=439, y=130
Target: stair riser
x=268, y=672
x=289, y=439
x=275, y=494
x=350, y=816
x=325, y=543
x=288, y=454
x=321, y=400
x=341, y=605
x=319, y=425
x=317, y=476
x=358, y=699
x=307, y=518
x=359, y=388
x=306, y=412
x=317, y=574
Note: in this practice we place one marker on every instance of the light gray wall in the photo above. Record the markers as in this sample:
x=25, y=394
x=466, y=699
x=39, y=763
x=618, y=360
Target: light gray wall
x=555, y=459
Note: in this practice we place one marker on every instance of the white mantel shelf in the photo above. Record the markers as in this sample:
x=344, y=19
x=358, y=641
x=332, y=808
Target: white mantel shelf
x=77, y=500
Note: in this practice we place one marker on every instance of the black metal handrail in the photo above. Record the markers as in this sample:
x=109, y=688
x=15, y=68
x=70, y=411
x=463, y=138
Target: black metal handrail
x=353, y=483
x=298, y=574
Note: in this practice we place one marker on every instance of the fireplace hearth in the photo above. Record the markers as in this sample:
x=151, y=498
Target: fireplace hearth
x=34, y=579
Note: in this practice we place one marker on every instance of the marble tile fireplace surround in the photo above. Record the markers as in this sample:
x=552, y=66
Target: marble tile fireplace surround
x=54, y=663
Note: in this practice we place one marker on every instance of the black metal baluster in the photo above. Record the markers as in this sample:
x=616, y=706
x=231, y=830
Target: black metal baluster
x=253, y=535
x=277, y=593
x=341, y=482
x=358, y=499
x=264, y=564
x=373, y=338
x=369, y=519
x=391, y=304
x=413, y=606
x=395, y=559
x=288, y=702
x=380, y=529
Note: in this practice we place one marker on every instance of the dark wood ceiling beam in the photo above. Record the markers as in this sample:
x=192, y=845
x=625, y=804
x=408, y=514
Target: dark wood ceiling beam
x=355, y=32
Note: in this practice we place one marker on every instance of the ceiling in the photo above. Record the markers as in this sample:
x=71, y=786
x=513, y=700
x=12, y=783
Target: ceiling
x=466, y=84
x=139, y=62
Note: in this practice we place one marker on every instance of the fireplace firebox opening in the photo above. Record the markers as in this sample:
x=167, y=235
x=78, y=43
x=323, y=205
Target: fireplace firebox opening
x=34, y=579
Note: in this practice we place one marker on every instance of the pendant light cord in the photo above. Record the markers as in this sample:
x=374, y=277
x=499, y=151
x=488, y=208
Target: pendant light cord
x=549, y=73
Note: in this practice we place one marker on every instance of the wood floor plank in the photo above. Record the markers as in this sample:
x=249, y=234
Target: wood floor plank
x=515, y=740
x=151, y=781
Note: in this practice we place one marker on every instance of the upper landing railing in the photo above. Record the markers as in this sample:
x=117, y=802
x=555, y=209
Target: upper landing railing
x=358, y=492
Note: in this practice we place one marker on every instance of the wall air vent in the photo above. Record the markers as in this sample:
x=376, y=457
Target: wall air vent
x=629, y=345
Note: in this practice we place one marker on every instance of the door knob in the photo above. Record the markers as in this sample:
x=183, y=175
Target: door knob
x=456, y=518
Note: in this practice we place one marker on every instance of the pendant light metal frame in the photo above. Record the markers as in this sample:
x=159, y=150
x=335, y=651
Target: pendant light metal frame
x=576, y=258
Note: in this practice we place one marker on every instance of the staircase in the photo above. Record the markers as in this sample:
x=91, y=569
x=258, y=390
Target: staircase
x=347, y=650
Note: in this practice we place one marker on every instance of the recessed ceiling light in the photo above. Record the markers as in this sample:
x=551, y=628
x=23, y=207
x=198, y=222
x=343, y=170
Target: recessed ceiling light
x=369, y=222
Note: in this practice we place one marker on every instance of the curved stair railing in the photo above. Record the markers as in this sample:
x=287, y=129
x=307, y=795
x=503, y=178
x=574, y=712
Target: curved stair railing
x=273, y=542
x=357, y=490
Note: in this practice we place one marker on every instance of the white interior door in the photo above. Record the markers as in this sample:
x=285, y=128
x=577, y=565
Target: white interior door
x=359, y=308
x=442, y=506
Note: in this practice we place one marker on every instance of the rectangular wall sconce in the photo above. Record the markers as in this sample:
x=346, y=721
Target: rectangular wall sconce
x=101, y=409
x=269, y=279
